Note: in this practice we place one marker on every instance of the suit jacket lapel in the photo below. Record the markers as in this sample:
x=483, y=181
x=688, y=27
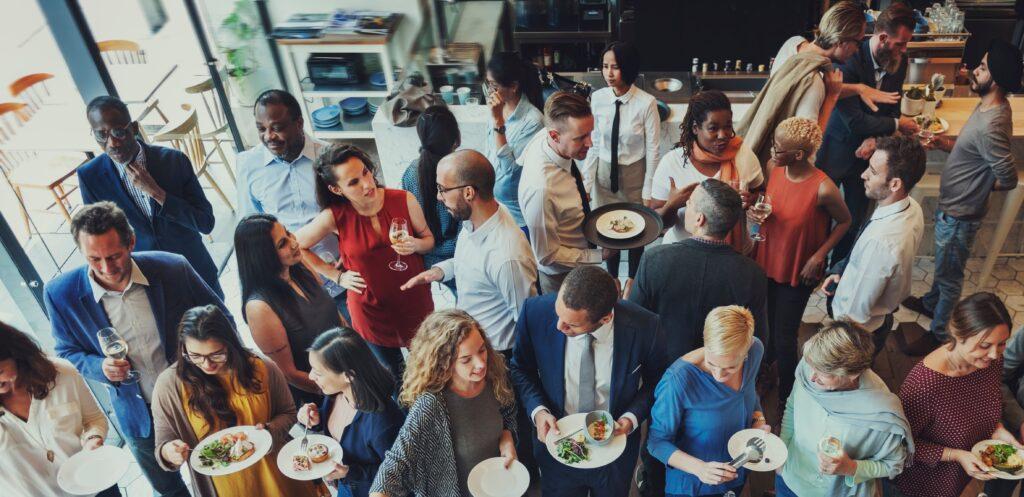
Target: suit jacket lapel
x=622, y=350
x=92, y=308
x=558, y=361
x=155, y=292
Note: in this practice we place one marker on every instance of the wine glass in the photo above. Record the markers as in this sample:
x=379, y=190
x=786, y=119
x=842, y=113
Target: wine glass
x=926, y=136
x=398, y=232
x=762, y=208
x=114, y=346
x=831, y=446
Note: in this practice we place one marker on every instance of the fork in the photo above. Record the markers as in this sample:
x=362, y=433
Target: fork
x=751, y=453
x=304, y=444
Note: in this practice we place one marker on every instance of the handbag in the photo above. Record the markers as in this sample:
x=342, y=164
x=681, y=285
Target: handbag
x=404, y=106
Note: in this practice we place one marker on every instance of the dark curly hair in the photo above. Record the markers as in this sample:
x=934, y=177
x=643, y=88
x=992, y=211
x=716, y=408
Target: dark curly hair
x=701, y=104
x=589, y=288
x=332, y=156
x=905, y=157
x=36, y=373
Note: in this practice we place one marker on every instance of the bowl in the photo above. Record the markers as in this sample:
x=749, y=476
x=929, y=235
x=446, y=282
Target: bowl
x=593, y=416
x=668, y=84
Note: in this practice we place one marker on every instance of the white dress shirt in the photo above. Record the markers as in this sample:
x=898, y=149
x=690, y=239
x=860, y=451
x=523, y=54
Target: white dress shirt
x=639, y=131
x=878, y=276
x=61, y=422
x=495, y=272
x=132, y=316
x=552, y=209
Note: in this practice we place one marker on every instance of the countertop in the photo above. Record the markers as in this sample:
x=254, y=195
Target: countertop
x=733, y=84
x=956, y=111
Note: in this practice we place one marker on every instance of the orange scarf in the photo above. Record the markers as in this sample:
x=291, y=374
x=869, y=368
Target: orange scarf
x=727, y=172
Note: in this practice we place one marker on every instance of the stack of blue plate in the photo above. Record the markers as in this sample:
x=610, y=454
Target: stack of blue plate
x=355, y=106
x=327, y=117
x=377, y=79
x=373, y=104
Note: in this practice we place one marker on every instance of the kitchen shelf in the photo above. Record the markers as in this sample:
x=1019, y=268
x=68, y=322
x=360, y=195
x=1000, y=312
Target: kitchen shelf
x=351, y=127
x=343, y=91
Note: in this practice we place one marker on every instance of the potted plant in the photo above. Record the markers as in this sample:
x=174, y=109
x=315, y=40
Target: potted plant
x=913, y=102
x=234, y=37
x=938, y=87
x=930, y=102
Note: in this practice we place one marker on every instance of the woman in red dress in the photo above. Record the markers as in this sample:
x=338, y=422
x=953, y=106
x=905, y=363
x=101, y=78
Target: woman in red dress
x=360, y=212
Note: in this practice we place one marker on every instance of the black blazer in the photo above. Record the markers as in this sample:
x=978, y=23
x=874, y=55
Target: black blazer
x=852, y=121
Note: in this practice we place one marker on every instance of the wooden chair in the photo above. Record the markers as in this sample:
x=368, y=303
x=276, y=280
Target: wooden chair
x=185, y=136
x=121, y=52
x=214, y=111
x=32, y=89
x=157, y=119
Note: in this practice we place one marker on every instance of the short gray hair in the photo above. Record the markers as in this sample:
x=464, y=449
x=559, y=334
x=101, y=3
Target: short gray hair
x=721, y=206
x=99, y=218
x=840, y=349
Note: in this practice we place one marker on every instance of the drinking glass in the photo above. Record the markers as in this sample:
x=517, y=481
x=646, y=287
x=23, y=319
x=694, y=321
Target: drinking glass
x=114, y=346
x=762, y=208
x=926, y=136
x=831, y=446
x=398, y=232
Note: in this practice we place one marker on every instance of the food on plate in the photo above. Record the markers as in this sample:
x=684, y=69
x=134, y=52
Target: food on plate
x=930, y=123
x=301, y=463
x=318, y=452
x=573, y=450
x=622, y=225
x=936, y=126
x=232, y=447
x=598, y=429
x=1003, y=457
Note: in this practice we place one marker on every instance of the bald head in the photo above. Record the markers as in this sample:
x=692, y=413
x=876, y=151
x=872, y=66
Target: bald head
x=468, y=167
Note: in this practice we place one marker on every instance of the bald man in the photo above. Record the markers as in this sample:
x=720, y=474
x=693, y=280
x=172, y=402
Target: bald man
x=493, y=261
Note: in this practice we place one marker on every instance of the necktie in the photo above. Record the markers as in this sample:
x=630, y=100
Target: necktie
x=579, y=186
x=615, y=148
x=588, y=381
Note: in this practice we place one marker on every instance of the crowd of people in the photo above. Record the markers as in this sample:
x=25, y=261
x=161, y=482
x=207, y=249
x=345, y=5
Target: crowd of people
x=335, y=273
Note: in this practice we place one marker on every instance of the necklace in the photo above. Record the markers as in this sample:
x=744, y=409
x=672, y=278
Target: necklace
x=24, y=427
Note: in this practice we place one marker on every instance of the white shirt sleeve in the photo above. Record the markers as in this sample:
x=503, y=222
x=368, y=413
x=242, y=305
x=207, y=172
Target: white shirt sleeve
x=448, y=267
x=661, y=184
x=539, y=214
x=652, y=134
x=514, y=280
x=810, y=104
x=860, y=289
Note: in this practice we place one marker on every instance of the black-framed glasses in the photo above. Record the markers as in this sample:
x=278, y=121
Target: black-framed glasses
x=121, y=133
x=441, y=190
x=219, y=357
x=776, y=152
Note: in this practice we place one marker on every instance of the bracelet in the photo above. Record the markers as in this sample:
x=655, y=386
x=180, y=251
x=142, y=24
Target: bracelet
x=337, y=280
x=90, y=437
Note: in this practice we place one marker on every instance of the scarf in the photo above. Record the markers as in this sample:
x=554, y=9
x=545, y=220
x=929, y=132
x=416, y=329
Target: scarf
x=727, y=172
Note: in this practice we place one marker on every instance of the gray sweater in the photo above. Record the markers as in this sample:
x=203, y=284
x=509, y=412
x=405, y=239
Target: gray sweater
x=981, y=161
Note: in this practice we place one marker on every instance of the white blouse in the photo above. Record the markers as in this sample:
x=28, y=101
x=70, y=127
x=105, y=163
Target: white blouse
x=639, y=132
x=58, y=423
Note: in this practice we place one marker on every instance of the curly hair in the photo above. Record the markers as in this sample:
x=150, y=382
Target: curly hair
x=803, y=132
x=701, y=104
x=36, y=373
x=433, y=352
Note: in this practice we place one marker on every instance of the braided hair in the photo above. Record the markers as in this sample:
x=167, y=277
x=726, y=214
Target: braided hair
x=701, y=104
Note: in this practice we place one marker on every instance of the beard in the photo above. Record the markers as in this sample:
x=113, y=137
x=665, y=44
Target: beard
x=462, y=210
x=981, y=89
x=886, y=59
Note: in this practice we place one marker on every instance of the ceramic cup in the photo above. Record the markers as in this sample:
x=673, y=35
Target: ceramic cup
x=463, y=93
x=448, y=94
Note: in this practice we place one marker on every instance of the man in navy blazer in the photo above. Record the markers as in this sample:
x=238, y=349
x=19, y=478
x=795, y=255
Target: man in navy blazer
x=155, y=186
x=849, y=137
x=583, y=350
x=142, y=295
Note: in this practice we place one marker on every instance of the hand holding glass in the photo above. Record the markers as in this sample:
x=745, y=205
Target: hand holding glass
x=829, y=446
x=761, y=209
x=115, y=347
x=398, y=233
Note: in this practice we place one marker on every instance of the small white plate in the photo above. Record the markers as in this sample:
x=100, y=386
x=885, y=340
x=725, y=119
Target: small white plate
x=491, y=479
x=775, y=451
x=92, y=471
x=604, y=224
x=1002, y=475
x=319, y=469
x=260, y=438
x=600, y=455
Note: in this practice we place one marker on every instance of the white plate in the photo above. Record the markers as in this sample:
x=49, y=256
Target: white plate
x=491, y=479
x=604, y=224
x=319, y=469
x=1002, y=475
x=600, y=455
x=92, y=471
x=775, y=451
x=261, y=438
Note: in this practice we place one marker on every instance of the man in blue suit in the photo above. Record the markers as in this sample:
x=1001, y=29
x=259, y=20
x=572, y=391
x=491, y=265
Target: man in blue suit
x=850, y=135
x=142, y=295
x=156, y=188
x=583, y=350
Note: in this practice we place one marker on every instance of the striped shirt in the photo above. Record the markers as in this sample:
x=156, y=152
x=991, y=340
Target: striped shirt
x=141, y=198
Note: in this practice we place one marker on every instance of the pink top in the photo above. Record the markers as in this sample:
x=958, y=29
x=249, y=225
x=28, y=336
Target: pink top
x=946, y=411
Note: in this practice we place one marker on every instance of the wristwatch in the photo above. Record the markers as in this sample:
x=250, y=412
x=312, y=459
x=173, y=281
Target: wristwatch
x=500, y=129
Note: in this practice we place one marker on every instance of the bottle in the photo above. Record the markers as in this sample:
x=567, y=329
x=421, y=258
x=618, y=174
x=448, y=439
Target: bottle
x=696, y=63
x=549, y=62
x=739, y=65
x=727, y=66
x=729, y=494
x=760, y=68
x=750, y=67
x=704, y=67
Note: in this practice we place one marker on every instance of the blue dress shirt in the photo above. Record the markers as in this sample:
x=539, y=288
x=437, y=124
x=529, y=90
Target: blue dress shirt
x=521, y=125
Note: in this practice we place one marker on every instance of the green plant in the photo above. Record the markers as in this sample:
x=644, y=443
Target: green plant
x=235, y=36
x=915, y=93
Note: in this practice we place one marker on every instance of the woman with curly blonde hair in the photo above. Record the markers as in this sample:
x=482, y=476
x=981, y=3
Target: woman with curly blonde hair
x=461, y=411
x=805, y=204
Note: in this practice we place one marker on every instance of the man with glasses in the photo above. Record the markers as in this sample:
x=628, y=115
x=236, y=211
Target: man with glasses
x=141, y=295
x=154, y=186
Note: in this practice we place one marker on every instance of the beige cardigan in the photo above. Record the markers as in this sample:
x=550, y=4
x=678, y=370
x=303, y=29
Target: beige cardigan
x=171, y=423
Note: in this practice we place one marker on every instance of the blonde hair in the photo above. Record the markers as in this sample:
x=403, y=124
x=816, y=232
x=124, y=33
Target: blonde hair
x=728, y=330
x=840, y=349
x=803, y=132
x=562, y=105
x=843, y=22
x=433, y=352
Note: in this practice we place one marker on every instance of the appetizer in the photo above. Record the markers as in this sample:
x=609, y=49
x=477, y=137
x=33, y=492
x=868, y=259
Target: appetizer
x=623, y=225
x=318, y=452
x=233, y=447
x=1003, y=457
x=598, y=430
x=301, y=463
x=573, y=450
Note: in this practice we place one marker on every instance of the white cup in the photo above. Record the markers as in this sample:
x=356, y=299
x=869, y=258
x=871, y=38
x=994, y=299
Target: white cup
x=463, y=93
x=448, y=94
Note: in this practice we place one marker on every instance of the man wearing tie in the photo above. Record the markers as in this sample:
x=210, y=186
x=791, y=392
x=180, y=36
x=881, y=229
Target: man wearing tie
x=551, y=192
x=583, y=350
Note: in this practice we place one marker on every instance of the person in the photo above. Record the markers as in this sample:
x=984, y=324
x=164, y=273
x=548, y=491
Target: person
x=805, y=84
x=682, y=282
x=492, y=259
x=853, y=127
x=439, y=136
x=953, y=400
x=876, y=276
x=514, y=97
x=142, y=295
x=360, y=211
x=837, y=396
x=155, y=186
x=704, y=398
x=283, y=302
x=708, y=148
x=216, y=384
x=798, y=236
x=357, y=409
x=582, y=350
x=552, y=194
x=1013, y=412
x=980, y=160
x=47, y=415
x=627, y=127
x=461, y=411
x=277, y=176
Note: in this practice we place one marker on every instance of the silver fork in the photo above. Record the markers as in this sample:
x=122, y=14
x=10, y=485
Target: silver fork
x=304, y=444
x=753, y=452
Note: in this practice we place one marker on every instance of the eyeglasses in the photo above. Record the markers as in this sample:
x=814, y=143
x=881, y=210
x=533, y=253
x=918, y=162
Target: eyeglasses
x=442, y=190
x=776, y=152
x=121, y=133
x=215, y=358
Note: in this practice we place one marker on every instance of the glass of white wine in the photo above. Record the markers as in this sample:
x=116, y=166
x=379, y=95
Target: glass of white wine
x=114, y=346
x=762, y=208
x=831, y=446
x=398, y=232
